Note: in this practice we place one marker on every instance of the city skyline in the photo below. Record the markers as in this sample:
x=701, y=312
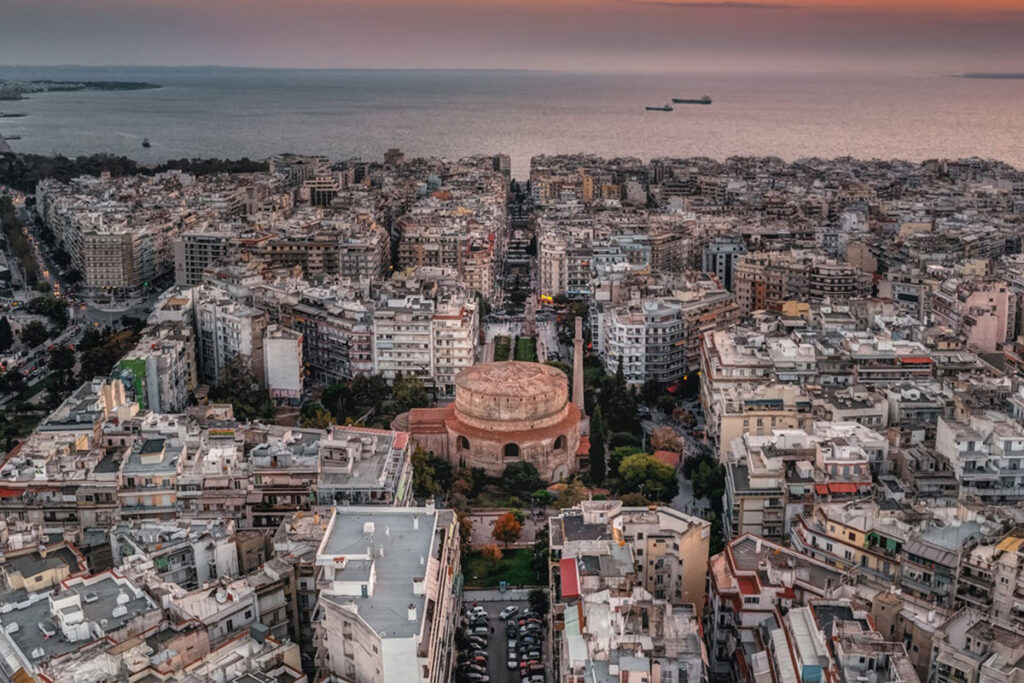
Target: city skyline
x=573, y=35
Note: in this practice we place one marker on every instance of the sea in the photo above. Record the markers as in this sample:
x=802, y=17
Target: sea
x=255, y=113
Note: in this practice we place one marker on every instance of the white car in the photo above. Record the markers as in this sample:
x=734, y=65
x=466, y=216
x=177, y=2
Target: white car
x=477, y=611
x=508, y=612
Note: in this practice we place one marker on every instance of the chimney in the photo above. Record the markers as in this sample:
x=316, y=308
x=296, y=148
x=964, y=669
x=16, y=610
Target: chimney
x=412, y=612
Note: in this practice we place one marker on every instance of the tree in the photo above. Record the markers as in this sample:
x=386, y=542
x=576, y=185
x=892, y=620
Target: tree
x=539, y=602
x=409, y=393
x=238, y=386
x=465, y=530
x=315, y=416
x=619, y=404
x=6, y=335
x=338, y=399
x=642, y=473
x=492, y=554
x=598, y=464
x=34, y=334
x=665, y=439
x=507, y=529
x=62, y=361
x=431, y=475
x=521, y=478
x=635, y=500
x=618, y=455
x=369, y=391
x=571, y=494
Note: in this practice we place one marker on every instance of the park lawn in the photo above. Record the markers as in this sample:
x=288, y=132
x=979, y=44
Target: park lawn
x=526, y=349
x=514, y=569
x=487, y=499
x=502, y=348
x=41, y=385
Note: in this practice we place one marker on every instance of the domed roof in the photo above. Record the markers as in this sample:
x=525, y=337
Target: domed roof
x=510, y=378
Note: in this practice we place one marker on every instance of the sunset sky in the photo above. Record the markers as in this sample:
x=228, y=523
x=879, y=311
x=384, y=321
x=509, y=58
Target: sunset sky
x=582, y=35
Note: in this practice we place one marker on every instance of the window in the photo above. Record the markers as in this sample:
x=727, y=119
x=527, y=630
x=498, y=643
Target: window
x=463, y=443
x=560, y=443
x=511, y=450
x=248, y=614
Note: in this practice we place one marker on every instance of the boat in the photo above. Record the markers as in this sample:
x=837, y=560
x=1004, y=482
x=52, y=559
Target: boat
x=145, y=143
x=667, y=107
x=12, y=137
x=706, y=99
x=11, y=115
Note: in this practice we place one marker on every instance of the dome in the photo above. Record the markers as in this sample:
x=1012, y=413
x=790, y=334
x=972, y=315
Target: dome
x=511, y=391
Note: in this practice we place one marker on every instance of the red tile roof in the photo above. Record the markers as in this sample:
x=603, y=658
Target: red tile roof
x=670, y=458
x=570, y=582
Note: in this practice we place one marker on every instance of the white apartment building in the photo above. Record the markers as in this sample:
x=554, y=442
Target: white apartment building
x=387, y=604
x=986, y=453
x=226, y=329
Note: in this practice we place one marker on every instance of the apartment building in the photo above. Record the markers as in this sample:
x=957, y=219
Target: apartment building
x=388, y=611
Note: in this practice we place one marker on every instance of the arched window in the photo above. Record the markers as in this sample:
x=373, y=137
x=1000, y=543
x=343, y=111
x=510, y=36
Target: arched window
x=560, y=443
x=463, y=443
x=511, y=450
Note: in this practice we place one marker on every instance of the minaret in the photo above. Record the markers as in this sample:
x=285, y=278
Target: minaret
x=577, y=365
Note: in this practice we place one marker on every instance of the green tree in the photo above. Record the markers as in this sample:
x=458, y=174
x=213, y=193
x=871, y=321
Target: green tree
x=62, y=362
x=521, y=478
x=238, y=386
x=369, y=391
x=338, y=399
x=598, y=463
x=6, y=335
x=539, y=602
x=34, y=333
x=431, y=474
x=316, y=416
x=620, y=404
x=642, y=473
x=408, y=393
x=617, y=456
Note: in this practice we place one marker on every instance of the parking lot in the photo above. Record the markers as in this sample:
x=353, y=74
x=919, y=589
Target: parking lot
x=497, y=644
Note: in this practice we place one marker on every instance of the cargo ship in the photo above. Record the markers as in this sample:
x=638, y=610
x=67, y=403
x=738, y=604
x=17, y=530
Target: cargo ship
x=667, y=107
x=700, y=100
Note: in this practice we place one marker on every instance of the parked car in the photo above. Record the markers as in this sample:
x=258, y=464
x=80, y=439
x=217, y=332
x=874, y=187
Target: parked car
x=480, y=630
x=477, y=642
x=513, y=663
x=511, y=643
x=477, y=668
x=508, y=612
x=478, y=678
x=511, y=630
x=478, y=653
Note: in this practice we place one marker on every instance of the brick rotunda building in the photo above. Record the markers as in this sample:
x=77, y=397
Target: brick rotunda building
x=503, y=413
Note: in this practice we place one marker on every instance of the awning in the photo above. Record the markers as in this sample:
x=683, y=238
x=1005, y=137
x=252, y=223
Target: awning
x=8, y=492
x=842, y=488
x=915, y=360
x=821, y=489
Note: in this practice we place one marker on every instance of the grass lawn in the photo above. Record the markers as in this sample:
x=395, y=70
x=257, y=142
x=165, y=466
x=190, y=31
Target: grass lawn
x=486, y=499
x=44, y=383
x=514, y=568
x=502, y=348
x=526, y=349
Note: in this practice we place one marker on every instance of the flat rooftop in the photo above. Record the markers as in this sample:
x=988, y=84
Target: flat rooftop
x=400, y=543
